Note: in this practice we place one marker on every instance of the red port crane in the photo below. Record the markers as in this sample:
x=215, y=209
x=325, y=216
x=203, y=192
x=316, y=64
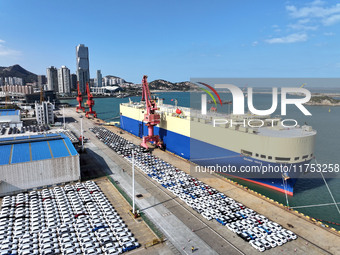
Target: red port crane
x=150, y=117
x=90, y=102
x=79, y=99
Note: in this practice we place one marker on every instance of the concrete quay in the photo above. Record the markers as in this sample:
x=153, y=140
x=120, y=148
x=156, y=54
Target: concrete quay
x=209, y=236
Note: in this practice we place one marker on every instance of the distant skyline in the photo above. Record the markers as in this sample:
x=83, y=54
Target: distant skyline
x=175, y=40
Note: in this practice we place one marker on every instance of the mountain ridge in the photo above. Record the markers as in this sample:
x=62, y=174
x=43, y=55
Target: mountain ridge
x=18, y=71
x=161, y=84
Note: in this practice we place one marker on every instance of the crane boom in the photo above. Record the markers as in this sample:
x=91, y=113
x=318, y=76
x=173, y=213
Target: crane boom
x=150, y=117
x=79, y=99
x=41, y=95
x=90, y=102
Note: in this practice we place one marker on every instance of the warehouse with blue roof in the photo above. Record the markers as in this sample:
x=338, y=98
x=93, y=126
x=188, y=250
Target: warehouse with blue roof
x=28, y=162
x=10, y=118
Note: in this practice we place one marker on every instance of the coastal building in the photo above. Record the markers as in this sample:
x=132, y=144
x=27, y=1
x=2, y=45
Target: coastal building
x=64, y=80
x=48, y=95
x=83, y=66
x=18, y=89
x=27, y=89
x=99, y=79
x=91, y=83
x=52, y=78
x=105, y=91
x=35, y=161
x=110, y=80
x=44, y=113
x=12, y=81
x=41, y=80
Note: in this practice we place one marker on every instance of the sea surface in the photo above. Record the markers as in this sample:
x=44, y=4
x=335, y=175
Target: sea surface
x=310, y=194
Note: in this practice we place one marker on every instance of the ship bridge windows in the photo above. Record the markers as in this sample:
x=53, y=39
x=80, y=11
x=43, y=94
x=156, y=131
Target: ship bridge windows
x=296, y=158
x=270, y=157
x=282, y=159
x=246, y=153
x=305, y=156
x=263, y=156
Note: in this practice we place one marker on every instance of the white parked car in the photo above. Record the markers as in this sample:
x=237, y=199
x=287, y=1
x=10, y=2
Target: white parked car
x=257, y=245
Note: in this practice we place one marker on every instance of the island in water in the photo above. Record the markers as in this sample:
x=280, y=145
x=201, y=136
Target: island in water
x=323, y=100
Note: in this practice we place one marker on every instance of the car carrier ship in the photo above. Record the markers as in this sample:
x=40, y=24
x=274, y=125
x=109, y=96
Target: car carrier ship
x=193, y=136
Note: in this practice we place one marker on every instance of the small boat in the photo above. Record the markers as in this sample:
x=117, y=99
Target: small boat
x=223, y=102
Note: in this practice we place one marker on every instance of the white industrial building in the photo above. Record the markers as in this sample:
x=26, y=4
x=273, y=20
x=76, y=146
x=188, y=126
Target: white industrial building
x=10, y=118
x=37, y=161
x=44, y=113
x=107, y=90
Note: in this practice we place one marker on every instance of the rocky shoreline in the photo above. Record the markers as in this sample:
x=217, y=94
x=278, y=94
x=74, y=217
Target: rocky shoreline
x=323, y=101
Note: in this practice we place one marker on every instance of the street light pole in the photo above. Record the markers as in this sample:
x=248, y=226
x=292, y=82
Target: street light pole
x=133, y=182
x=64, y=117
x=81, y=134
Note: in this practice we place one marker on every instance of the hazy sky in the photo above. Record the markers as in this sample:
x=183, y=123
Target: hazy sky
x=175, y=40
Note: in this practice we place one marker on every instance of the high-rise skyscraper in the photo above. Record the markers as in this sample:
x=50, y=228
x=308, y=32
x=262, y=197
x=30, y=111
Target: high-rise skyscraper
x=52, y=78
x=64, y=80
x=41, y=80
x=92, y=83
x=83, y=66
x=73, y=81
x=99, y=78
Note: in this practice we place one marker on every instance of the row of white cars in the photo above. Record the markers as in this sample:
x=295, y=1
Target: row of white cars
x=70, y=135
x=252, y=227
x=74, y=219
